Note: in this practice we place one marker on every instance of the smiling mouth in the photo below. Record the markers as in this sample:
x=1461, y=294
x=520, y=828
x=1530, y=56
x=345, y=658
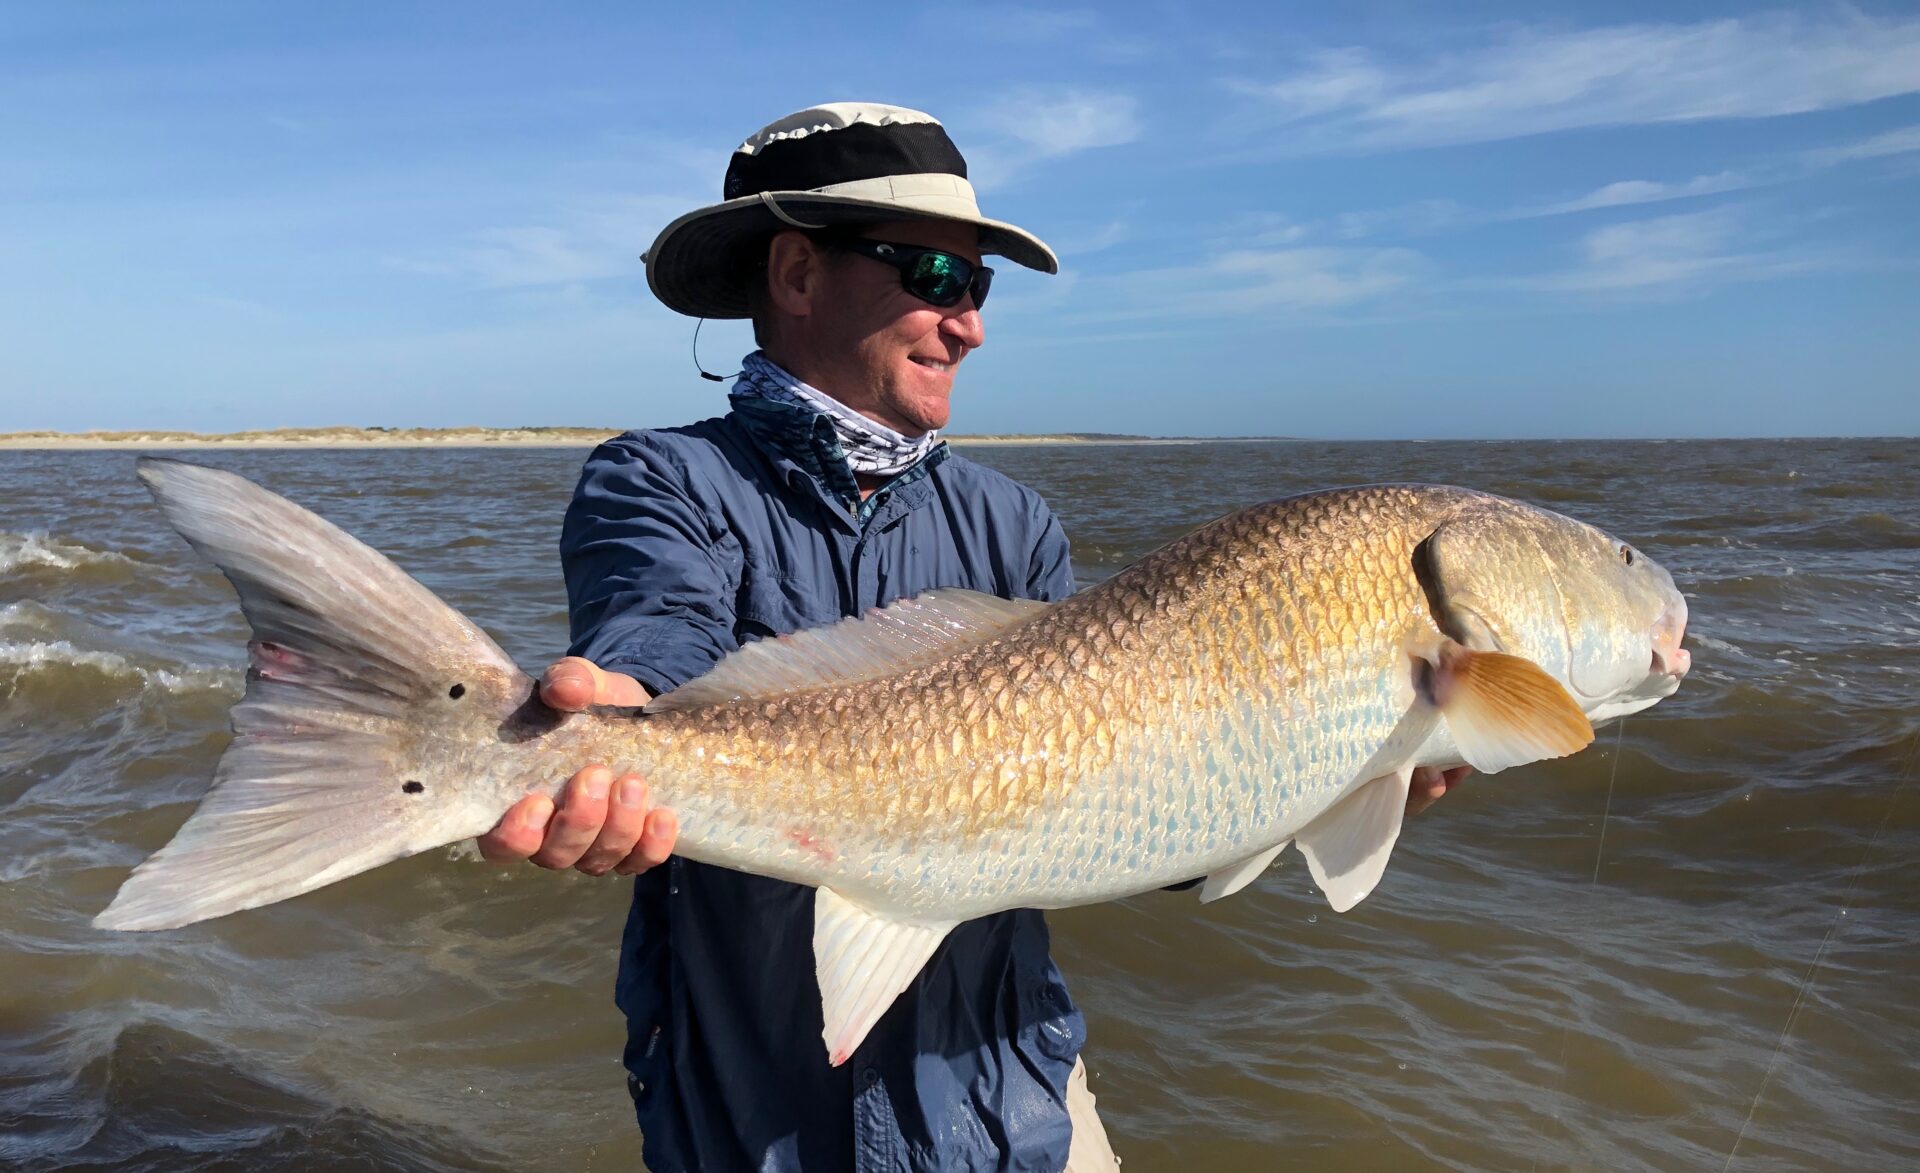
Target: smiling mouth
x=933, y=364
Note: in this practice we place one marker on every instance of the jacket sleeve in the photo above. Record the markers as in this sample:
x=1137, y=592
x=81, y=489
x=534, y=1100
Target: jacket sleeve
x=1050, y=571
x=646, y=594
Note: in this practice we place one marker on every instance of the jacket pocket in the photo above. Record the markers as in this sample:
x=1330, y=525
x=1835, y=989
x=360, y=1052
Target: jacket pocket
x=771, y=603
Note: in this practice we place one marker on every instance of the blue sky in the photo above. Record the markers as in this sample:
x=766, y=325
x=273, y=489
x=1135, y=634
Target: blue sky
x=1360, y=220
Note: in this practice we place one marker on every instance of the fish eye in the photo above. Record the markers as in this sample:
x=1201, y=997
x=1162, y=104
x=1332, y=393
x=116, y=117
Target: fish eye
x=1626, y=555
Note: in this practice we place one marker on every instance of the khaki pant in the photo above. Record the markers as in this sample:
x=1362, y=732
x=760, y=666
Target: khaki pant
x=1090, y=1152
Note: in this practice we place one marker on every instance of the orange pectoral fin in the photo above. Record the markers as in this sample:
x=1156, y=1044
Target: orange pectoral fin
x=1504, y=711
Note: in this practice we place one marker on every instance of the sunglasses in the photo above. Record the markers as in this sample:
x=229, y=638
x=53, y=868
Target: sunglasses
x=930, y=274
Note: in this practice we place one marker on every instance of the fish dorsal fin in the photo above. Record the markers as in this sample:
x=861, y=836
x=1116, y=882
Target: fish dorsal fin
x=863, y=959
x=1235, y=876
x=1348, y=845
x=886, y=640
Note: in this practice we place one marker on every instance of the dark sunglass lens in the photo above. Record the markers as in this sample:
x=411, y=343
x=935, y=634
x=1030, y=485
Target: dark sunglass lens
x=982, y=281
x=938, y=278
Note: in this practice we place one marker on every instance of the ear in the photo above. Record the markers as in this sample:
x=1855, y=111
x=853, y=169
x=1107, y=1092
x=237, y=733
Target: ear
x=793, y=273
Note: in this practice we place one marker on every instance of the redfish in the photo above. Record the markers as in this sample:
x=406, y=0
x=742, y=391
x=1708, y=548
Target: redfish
x=1273, y=677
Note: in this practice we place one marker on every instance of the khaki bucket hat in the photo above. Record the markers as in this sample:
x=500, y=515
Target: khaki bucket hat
x=838, y=164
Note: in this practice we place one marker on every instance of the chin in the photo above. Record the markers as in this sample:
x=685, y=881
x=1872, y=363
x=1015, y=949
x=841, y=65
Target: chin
x=928, y=419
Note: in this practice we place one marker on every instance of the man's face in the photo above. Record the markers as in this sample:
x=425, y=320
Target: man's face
x=879, y=349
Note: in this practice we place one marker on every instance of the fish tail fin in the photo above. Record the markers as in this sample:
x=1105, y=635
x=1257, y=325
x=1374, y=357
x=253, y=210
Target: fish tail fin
x=362, y=692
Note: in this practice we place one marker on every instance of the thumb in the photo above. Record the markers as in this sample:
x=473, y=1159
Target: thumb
x=571, y=684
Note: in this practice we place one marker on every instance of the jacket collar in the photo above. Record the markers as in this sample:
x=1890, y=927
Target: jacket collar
x=808, y=441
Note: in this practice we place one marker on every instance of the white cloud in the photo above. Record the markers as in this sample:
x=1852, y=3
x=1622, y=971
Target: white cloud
x=1033, y=124
x=1014, y=22
x=1303, y=278
x=1420, y=218
x=595, y=239
x=1054, y=122
x=1675, y=252
x=1267, y=282
x=1893, y=142
x=1643, y=191
x=1534, y=81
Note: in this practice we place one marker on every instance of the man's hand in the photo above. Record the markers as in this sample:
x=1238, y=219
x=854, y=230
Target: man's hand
x=1430, y=784
x=603, y=823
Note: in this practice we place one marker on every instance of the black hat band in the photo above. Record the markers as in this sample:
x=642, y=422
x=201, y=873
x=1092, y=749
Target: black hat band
x=860, y=151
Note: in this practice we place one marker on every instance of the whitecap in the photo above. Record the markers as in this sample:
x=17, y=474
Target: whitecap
x=1718, y=645
x=34, y=656
x=37, y=549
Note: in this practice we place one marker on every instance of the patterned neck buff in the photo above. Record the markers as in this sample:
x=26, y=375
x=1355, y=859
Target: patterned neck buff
x=869, y=447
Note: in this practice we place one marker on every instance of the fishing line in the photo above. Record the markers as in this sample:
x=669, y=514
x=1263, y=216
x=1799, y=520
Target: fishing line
x=1820, y=955
x=1599, y=853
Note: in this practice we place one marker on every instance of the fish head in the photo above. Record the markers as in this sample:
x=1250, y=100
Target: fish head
x=1593, y=611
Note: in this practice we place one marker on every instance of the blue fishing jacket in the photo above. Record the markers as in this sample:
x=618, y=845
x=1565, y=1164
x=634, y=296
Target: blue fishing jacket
x=680, y=545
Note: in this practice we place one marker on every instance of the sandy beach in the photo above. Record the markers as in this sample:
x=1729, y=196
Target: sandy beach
x=344, y=437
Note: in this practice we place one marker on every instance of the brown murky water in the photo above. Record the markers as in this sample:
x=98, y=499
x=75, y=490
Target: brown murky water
x=1580, y=965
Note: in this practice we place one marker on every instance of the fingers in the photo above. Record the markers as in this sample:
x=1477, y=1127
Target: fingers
x=519, y=832
x=577, y=819
x=626, y=822
x=573, y=683
x=1430, y=784
x=602, y=824
x=656, y=844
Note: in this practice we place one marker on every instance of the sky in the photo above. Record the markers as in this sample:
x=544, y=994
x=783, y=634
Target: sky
x=1365, y=220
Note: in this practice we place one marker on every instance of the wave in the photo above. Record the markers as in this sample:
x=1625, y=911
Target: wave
x=1865, y=530
x=36, y=551
x=56, y=664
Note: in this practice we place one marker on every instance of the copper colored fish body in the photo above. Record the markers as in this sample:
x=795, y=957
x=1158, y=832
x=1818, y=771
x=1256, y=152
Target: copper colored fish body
x=1273, y=677
x=1132, y=736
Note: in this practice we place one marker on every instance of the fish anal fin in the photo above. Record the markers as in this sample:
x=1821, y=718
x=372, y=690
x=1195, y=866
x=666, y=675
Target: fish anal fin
x=886, y=640
x=1503, y=710
x=1347, y=847
x=1230, y=879
x=863, y=960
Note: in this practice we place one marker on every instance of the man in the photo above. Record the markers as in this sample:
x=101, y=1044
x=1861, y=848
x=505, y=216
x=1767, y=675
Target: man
x=851, y=237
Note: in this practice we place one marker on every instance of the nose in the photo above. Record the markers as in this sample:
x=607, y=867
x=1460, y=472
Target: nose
x=965, y=327
x=1668, y=630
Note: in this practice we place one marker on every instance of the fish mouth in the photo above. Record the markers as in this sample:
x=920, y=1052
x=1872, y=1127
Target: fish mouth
x=1669, y=659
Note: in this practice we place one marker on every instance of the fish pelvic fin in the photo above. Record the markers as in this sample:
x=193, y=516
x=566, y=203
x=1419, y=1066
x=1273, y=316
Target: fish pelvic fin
x=863, y=959
x=369, y=704
x=1348, y=846
x=1502, y=710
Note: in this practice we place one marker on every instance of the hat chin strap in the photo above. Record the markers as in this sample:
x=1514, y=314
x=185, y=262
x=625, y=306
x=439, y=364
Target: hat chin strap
x=773, y=206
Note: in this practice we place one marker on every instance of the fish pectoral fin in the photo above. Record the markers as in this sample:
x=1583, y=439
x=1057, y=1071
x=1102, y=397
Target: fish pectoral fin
x=1503, y=710
x=1233, y=877
x=863, y=959
x=1347, y=846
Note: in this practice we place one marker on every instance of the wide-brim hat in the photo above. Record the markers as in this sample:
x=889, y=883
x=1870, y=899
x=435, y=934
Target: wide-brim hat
x=839, y=164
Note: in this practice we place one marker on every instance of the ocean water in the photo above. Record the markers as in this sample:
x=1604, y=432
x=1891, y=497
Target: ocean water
x=1691, y=947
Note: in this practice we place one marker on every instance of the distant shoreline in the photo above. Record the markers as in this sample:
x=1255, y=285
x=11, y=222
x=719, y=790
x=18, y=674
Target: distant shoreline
x=475, y=438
